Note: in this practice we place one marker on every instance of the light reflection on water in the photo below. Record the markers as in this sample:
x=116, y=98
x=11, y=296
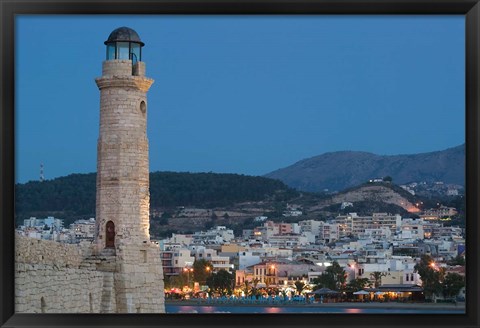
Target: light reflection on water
x=353, y=310
x=273, y=310
x=300, y=309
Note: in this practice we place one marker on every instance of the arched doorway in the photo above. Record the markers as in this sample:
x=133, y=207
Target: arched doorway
x=110, y=235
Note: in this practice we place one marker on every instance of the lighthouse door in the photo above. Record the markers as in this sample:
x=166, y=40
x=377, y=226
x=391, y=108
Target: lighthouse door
x=110, y=235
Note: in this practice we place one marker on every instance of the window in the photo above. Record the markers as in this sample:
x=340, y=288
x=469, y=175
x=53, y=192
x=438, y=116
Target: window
x=123, y=50
x=111, y=51
x=143, y=107
x=110, y=235
x=135, y=52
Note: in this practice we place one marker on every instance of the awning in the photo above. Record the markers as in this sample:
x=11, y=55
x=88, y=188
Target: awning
x=361, y=292
x=324, y=291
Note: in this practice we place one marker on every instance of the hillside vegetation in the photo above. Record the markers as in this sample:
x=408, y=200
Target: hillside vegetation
x=73, y=197
x=187, y=202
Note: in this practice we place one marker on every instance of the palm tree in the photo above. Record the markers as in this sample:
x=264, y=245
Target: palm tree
x=247, y=287
x=377, y=278
x=255, y=282
x=299, y=286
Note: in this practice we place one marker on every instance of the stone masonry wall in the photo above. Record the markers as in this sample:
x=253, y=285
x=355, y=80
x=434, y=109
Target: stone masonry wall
x=52, y=277
x=139, y=279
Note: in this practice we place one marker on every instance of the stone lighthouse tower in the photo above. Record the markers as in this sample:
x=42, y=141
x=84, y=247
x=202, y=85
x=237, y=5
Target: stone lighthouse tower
x=123, y=198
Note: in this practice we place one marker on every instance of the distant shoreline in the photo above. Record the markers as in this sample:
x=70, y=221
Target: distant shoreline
x=358, y=305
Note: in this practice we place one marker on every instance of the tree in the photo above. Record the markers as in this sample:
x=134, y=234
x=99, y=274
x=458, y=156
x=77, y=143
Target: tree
x=201, y=270
x=334, y=278
x=299, y=286
x=357, y=284
x=452, y=284
x=221, y=282
x=176, y=281
x=387, y=178
x=254, y=291
x=458, y=260
x=247, y=287
x=377, y=278
x=209, y=224
x=166, y=215
x=162, y=221
x=431, y=276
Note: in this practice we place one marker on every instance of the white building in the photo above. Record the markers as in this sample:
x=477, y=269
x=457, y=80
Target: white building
x=50, y=222
x=175, y=257
x=288, y=240
x=181, y=239
x=83, y=229
x=312, y=226
x=216, y=235
x=412, y=229
x=247, y=258
x=353, y=224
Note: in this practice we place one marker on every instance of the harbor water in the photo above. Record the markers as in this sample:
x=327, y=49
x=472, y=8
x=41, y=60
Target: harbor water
x=307, y=309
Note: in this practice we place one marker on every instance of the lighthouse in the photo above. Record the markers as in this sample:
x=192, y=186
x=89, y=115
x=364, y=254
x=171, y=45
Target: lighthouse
x=123, y=198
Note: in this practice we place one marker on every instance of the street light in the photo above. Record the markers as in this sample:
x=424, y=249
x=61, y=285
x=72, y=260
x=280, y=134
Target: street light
x=188, y=272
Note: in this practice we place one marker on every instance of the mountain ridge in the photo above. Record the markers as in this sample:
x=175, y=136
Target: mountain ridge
x=343, y=169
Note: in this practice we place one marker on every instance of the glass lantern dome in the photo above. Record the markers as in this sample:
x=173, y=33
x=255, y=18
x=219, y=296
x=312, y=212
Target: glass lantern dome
x=124, y=43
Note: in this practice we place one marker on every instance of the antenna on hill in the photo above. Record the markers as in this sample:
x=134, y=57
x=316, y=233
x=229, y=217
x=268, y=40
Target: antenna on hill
x=42, y=177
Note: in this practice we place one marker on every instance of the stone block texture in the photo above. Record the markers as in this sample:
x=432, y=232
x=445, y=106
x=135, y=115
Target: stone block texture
x=50, y=278
x=122, y=155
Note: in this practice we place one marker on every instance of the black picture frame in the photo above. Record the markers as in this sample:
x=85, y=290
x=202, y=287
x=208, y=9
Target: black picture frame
x=10, y=8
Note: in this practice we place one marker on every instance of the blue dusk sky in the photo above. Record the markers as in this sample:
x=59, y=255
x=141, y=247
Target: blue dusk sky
x=244, y=94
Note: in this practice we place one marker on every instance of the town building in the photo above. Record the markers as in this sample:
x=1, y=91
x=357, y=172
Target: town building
x=83, y=230
x=353, y=224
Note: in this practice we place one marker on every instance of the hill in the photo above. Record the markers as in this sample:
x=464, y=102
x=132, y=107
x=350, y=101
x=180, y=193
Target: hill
x=73, y=197
x=372, y=197
x=344, y=169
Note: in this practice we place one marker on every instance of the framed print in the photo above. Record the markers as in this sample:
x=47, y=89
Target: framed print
x=240, y=164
